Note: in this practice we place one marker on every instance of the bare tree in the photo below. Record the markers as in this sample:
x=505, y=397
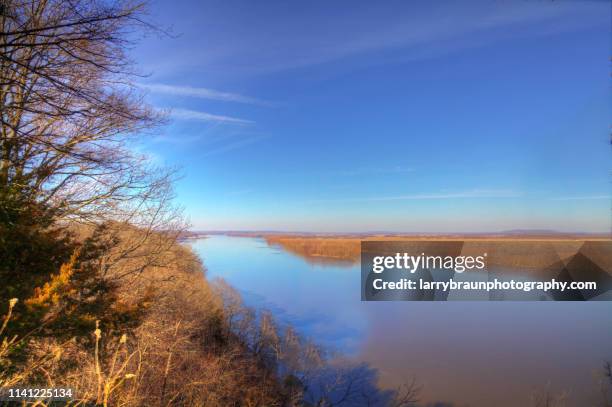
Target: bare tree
x=69, y=111
x=69, y=107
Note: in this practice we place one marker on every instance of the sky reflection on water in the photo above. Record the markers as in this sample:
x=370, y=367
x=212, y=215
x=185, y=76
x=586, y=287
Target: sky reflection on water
x=474, y=353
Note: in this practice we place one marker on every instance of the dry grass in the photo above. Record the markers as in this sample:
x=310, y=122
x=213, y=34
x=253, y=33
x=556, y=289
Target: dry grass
x=347, y=249
x=182, y=353
x=509, y=251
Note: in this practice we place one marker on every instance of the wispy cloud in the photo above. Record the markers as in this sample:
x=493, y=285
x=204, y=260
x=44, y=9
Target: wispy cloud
x=239, y=192
x=374, y=171
x=203, y=93
x=475, y=193
x=187, y=114
x=234, y=145
x=175, y=139
x=310, y=38
x=583, y=198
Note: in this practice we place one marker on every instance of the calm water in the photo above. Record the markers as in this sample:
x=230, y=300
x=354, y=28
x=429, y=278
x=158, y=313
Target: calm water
x=469, y=353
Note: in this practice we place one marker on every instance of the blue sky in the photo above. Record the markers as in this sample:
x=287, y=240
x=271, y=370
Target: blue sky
x=401, y=116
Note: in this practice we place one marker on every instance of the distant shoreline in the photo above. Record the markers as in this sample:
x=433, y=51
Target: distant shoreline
x=537, y=252
x=511, y=235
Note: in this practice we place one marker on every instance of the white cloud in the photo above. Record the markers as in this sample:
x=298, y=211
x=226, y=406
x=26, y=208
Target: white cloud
x=203, y=93
x=187, y=114
x=254, y=47
x=233, y=145
x=375, y=171
x=475, y=193
x=582, y=198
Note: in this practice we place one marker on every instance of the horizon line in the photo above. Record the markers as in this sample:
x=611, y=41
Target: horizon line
x=515, y=232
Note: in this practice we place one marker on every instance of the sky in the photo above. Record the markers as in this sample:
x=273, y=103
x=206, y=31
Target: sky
x=403, y=116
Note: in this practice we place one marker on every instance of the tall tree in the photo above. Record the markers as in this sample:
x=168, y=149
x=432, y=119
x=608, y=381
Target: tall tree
x=68, y=106
x=69, y=110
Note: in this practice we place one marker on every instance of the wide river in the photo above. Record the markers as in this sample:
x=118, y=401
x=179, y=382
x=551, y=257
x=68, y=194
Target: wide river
x=468, y=353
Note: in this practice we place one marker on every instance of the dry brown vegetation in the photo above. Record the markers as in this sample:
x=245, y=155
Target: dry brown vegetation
x=195, y=344
x=510, y=251
x=326, y=247
x=181, y=352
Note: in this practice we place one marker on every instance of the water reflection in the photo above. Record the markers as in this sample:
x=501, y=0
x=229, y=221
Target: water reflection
x=468, y=353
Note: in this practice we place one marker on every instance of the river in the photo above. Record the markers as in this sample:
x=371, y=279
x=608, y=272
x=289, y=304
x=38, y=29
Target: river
x=468, y=353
